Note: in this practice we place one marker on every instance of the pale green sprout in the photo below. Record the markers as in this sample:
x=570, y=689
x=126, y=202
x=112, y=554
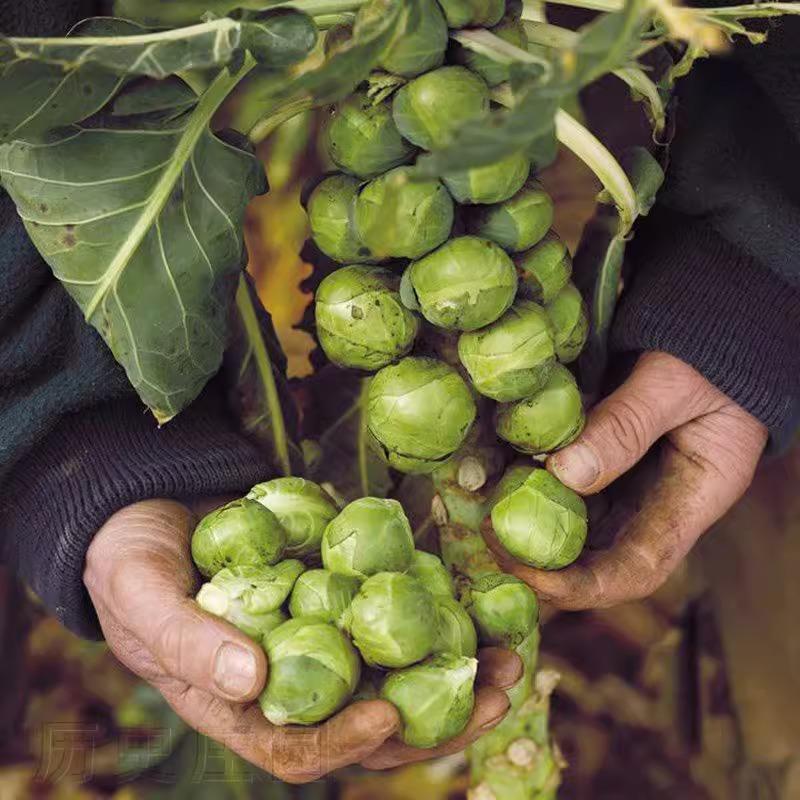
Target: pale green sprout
x=544, y=269
x=240, y=534
x=542, y=522
x=392, y=620
x=419, y=412
x=313, y=672
x=259, y=589
x=429, y=570
x=455, y=632
x=489, y=184
x=435, y=699
x=222, y=602
x=302, y=507
x=400, y=216
x=466, y=284
x=362, y=139
x=513, y=357
x=504, y=609
x=570, y=321
x=331, y=207
x=473, y=13
x=370, y=535
x=361, y=320
x=323, y=594
x=430, y=109
x=516, y=224
x=546, y=421
x=422, y=48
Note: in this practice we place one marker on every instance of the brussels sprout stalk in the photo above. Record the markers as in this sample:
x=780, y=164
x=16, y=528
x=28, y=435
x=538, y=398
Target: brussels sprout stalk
x=516, y=760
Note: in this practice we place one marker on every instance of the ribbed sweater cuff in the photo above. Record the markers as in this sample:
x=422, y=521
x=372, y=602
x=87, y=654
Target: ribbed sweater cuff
x=695, y=296
x=97, y=462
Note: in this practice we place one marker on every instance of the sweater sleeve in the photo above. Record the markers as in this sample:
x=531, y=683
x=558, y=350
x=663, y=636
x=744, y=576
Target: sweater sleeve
x=715, y=269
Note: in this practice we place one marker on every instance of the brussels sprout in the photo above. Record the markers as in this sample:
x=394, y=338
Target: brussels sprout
x=455, y=632
x=431, y=573
x=496, y=72
x=435, y=699
x=545, y=269
x=423, y=47
x=542, y=522
x=323, y=594
x=546, y=421
x=473, y=13
x=313, y=672
x=362, y=139
x=370, y=535
x=512, y=479
x=513, y=357
x=516, y=224
x=419, y=411
x=240, y=534
x=392, y=620
x=400, y=217
x=430, y=109
x=259, y=590
x=464, y=285
x=491, y=184
x=504, y=609
x=330, y=215
x=220, y=602
x=302, y=507
x=571, y=322
x=361, y=321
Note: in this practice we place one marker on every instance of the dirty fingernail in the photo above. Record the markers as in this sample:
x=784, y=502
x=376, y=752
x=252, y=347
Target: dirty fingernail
x=576, y=466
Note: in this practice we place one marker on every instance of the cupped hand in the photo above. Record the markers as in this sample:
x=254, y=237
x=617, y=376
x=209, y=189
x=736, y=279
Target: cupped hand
x=711, y=447
x=141, y=579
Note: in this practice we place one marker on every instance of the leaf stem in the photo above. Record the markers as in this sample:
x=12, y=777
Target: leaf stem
x=640, y=84
x=316, y=8
x=592, y=5
x=269, y=123
x=244, y=305
x=197, y=123
x=599, y=159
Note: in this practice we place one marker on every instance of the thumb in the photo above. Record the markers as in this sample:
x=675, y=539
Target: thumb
x=661, y=393
x=140, y=570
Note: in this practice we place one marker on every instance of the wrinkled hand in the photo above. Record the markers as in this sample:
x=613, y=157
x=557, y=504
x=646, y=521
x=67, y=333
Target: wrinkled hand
x=141, y=580
x=711, y=447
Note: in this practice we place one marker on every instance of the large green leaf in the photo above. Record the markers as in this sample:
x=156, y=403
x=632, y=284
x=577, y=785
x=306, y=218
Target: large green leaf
x=46, y=83
x=141, y=222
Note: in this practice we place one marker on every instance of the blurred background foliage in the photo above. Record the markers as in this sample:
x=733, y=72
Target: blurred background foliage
x=690, y=694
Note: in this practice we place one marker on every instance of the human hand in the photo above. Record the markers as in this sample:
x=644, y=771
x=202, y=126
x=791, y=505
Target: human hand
x=711, y=447
x=141, y=579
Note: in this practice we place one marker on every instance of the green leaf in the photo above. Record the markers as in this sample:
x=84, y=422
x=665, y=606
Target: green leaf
x=142, y=224
x=598, y=273
x=351, y=63
x=256, y=370
x=598, y=262
x=48, y=83
x=345, y=456
x=338, y=74
x=175, y=13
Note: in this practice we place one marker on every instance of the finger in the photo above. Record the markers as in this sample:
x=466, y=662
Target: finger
x=661, y=394
x=293, y=754
x=688, y=499
x=491, y=706
x=498, y=667
x=147, y=583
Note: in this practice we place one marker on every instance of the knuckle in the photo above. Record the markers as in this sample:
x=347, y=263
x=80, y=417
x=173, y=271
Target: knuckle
x=630, y=426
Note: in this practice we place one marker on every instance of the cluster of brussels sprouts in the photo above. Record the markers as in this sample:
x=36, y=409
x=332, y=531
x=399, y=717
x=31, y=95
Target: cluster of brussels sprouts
x=470, y=258
x=346, y=607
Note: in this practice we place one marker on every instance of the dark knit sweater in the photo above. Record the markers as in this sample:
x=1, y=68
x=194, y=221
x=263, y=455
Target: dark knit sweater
x=716, y=282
